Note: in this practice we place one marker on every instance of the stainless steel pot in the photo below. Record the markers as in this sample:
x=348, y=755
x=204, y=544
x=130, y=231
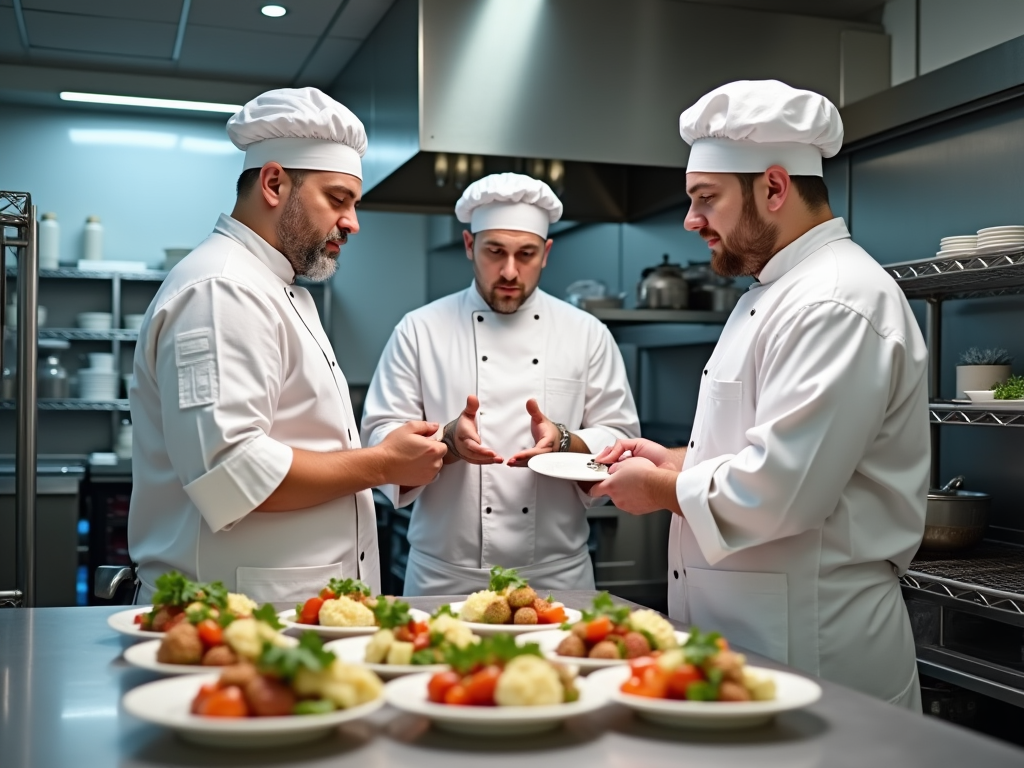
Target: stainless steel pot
x=663, y=287
x=956, y=519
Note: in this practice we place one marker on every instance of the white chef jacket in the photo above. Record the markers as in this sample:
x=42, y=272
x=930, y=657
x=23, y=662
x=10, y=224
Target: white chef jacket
x=473, y=517
x=232, y=371
x=804, y=488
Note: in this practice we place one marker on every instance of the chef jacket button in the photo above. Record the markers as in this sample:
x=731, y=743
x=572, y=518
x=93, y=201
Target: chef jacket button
x=691, y=443
x=752, y=312
x=488, y=510
x=705, y=371
x=362, y=555
x=535, y=361
x=675, y=574
x=536, y=317
x=479, y=318
x=525, y=510
x=484, y=358
x=333, y=363
x=291, y=294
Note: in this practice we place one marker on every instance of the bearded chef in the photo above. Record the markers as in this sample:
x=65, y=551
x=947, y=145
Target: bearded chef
x=513, y=372
x=801, y=497
x=247, y=462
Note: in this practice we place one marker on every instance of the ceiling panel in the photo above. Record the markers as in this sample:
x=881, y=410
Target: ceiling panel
x=359, y=18
x=71, y=32
x=251, y=56
x=835, y=9
x=304, y=17
x=329, y=59
x=10, y=41
x=164, y=10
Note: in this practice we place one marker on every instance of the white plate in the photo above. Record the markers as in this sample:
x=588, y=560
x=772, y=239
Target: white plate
x=288, y=619
x=791, y=692
x=169, y=702
x=571, y=615
x=1001, y=405
x=549, y=640
x=352, y=650
x=409, y=694
x=567, y=466
x=1012, y=228
x=143, y=655
x=956, y=252
x=992, y=250
x=124, y=622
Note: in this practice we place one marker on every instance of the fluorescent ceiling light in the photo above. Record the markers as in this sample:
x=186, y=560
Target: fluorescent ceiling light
x=140, y=101
x=274, y=11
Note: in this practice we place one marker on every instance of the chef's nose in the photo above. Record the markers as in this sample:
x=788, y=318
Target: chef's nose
x=694, y=221
x=509, y=270
x=349, y=222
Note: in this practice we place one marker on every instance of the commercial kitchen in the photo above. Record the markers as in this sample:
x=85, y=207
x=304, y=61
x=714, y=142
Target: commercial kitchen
x=591, y=124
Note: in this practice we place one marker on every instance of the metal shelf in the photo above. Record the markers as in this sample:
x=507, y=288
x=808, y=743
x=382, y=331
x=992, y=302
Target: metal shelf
x=78, y=334
x=947, y=412
x=72, y=404
x=963, y=277
x=70, y=273
x=628, y=316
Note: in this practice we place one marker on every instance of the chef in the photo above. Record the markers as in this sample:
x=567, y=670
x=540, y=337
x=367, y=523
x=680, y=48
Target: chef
x=247, y=462
x=801, y=496
x=512, y=372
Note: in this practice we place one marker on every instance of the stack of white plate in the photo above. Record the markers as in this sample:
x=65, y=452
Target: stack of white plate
x=98, y=384
x=95, y=321
x=998, y=239
x=957, y=245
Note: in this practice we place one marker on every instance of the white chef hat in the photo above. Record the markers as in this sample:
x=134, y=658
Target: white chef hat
x=299, y=128
x=750, y=125
x=509, y=201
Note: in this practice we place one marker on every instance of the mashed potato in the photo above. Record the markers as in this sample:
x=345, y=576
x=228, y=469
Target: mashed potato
x=246, y=637
x=476, y=604
x=344, y=612
x=347, y=685
x=529, y=681
x=656, y=626
x=240, y=605
x=454, y=631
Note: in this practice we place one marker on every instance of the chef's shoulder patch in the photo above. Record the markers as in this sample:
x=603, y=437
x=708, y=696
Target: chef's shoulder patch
x=196, y=359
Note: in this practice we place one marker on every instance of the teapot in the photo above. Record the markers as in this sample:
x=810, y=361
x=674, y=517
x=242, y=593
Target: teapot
x=663, y=287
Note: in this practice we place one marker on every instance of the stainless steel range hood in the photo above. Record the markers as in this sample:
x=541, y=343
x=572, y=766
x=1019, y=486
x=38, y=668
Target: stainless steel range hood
x=452, y=89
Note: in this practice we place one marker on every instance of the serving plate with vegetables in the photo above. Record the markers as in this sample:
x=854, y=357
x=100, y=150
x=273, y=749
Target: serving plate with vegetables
x=290, y=695
x=704, y=684
x=496, y=687
x=511, y=606
x=343, y=608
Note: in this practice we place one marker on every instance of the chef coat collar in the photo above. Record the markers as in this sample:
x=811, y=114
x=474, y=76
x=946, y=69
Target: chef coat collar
x=794, y=253
x=275, y=261
x=477, y=303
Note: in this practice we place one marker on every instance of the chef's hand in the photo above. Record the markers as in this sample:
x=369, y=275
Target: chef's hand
x=412, y=457
x=545, y=435
x=638, y=486
x=642, y=448
x=466, y=438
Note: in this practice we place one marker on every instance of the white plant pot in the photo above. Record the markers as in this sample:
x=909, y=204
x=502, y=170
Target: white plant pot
x=979, y=377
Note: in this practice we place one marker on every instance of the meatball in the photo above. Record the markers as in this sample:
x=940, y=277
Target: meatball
x=238, y=674
x=572, y=646
x=606, y=649
x=731, y=664
x=579, y=629
x=730, y=691
x=163, y=616
x=636, y=645
x=522, y=597
x=268, y=697
x=181, y=645
x=525, y=615
x=219, y=656
x=497, y=612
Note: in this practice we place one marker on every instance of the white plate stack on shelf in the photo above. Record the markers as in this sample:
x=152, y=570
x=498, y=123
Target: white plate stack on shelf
x=1001, y=239
x=957, y=245
x=95, y=321
x=100, y=381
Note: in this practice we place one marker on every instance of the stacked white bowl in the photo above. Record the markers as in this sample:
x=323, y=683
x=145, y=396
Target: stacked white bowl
x=957, y=245
x=95, y=321
x=100, y=381
x=133, y=322
x=998, y=239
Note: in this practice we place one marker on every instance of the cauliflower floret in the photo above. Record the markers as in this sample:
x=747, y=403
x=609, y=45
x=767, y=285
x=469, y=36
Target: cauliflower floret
x=476, y=604
x=379, y=645
x=344, y=612
x=671, y=659
x=760, y=688
x=240, y=605
x=400, y=653
x=347, y=685
x=454, y=631
x=529, y=681
x=246, y=637
x=654, y=624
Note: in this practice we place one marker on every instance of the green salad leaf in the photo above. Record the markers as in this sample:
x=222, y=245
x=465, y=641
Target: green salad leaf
x=285, y=662
x=505, y=578
x=175, y=590
x=314, y=707
x=498, y=649
x=1011, y=389
x=602, y=605
x=348, y=587
x=701, y=646
x=444, y=610
x=267, y=614
x=391, y=613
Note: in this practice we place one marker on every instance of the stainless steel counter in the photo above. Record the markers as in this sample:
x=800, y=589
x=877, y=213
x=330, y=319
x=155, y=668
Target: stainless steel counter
x=62, y=678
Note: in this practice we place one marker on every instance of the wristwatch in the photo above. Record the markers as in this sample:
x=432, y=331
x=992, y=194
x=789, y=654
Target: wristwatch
x=563, y=443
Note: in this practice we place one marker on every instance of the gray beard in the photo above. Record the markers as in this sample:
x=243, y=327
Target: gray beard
x=303, y=245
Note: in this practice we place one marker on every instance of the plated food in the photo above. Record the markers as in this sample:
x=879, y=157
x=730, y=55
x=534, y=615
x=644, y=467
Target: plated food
x=290, y=694
x=510, y=604
x=344, y=607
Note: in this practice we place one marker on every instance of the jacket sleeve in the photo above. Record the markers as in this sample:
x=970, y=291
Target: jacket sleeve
x=823, y=390
x=394, y=397
x=218, y=365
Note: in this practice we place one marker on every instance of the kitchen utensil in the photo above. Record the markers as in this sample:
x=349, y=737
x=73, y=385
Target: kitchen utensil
x=584, y=289
x=955, y=519
x=479, y=628
x=51, y=378
x=663, y=287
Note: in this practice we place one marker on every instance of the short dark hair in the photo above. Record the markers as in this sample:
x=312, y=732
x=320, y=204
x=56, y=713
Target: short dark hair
x=247, y=180
x=812, y=189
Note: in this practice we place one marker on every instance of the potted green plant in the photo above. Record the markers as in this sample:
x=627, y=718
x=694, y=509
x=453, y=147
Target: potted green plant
x=982, y=369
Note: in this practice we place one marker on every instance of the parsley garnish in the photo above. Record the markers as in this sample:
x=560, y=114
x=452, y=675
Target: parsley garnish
x=701, y=646
x=444, y=610
x=602, y=605
x=497, y=649
x=285, y=662
x=173, y=589
x=267, y=614
x=348, y=587
x=505, y=578
x=391, y=614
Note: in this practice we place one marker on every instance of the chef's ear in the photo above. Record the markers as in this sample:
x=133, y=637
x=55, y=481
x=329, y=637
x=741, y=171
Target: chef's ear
x=779, y=186
x=272, y=177
x=467, y=239
x=547, y=250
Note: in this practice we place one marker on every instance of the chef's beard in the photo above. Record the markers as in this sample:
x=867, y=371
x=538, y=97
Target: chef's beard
x=749, y=247
x=304, y=246
x=506, y=305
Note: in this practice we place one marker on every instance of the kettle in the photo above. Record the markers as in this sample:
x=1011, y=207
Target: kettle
x=663, y=287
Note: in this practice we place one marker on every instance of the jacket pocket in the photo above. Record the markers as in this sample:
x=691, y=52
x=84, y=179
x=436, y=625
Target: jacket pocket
x=751, y=610
x=564, y=401
x=726, y=390
x=284, y=586
x=722, y=425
